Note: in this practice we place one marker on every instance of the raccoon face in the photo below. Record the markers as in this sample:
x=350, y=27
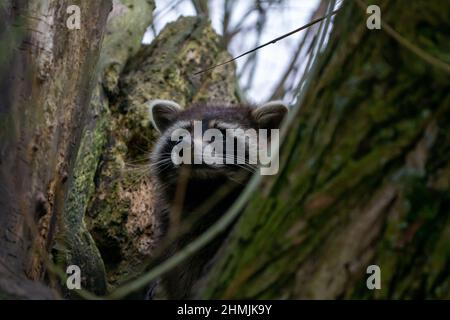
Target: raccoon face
x=211, y=140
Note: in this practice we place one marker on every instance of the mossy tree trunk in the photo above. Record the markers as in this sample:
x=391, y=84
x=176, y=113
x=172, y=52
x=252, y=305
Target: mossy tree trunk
x=46, y=76
x=365, y=177
x=126, y=25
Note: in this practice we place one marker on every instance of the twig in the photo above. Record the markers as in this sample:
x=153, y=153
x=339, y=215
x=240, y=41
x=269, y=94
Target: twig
x=270, y=42
x=280, y=89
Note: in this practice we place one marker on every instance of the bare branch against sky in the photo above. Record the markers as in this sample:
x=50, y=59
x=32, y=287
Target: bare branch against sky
x=247, y=24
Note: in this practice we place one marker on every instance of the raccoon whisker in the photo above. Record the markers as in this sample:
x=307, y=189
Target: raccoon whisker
x=133, y=173
x=134, y=162
x=132, y=168
x=164, y=160
x=160, y=166
x=138, y=160
x=165, y=153
x=236, y=181
x=137, y=169
x=235, y=161
x=155, y=166
x=139, y=178
x=239, y=159
x=161, y=169
x=245, y=167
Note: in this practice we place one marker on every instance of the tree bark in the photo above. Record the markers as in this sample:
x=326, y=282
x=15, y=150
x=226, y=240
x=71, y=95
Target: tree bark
x=365, y=174
x=125, y=28
x=46, y=76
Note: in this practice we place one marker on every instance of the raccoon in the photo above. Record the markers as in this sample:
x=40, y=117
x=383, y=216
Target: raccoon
x=185, y=188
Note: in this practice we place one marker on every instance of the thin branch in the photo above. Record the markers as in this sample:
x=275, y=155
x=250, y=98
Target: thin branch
x=270, y=42
x=201, y=7
x=280, y=88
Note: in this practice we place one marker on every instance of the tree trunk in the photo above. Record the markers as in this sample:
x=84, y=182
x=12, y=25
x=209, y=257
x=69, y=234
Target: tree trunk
x=75, y=246
x=365, y=174
x=44, y=95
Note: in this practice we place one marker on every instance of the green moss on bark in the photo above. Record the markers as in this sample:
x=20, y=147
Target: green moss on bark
x=362, y=174
x=125, y=28
x=120, y=211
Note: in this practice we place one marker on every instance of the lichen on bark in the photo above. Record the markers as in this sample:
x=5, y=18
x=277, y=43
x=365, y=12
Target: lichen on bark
x=115, y=164
x=125, y=27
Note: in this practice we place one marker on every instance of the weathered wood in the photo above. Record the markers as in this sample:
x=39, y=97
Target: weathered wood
x=46, y=76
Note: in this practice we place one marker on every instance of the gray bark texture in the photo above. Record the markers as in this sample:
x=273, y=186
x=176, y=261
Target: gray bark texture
x=46, y=79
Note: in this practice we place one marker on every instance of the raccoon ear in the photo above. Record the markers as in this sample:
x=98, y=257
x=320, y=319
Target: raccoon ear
x=163, y=113
x=270, y=115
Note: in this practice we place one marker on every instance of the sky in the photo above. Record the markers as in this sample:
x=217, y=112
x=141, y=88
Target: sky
x=272, y=59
